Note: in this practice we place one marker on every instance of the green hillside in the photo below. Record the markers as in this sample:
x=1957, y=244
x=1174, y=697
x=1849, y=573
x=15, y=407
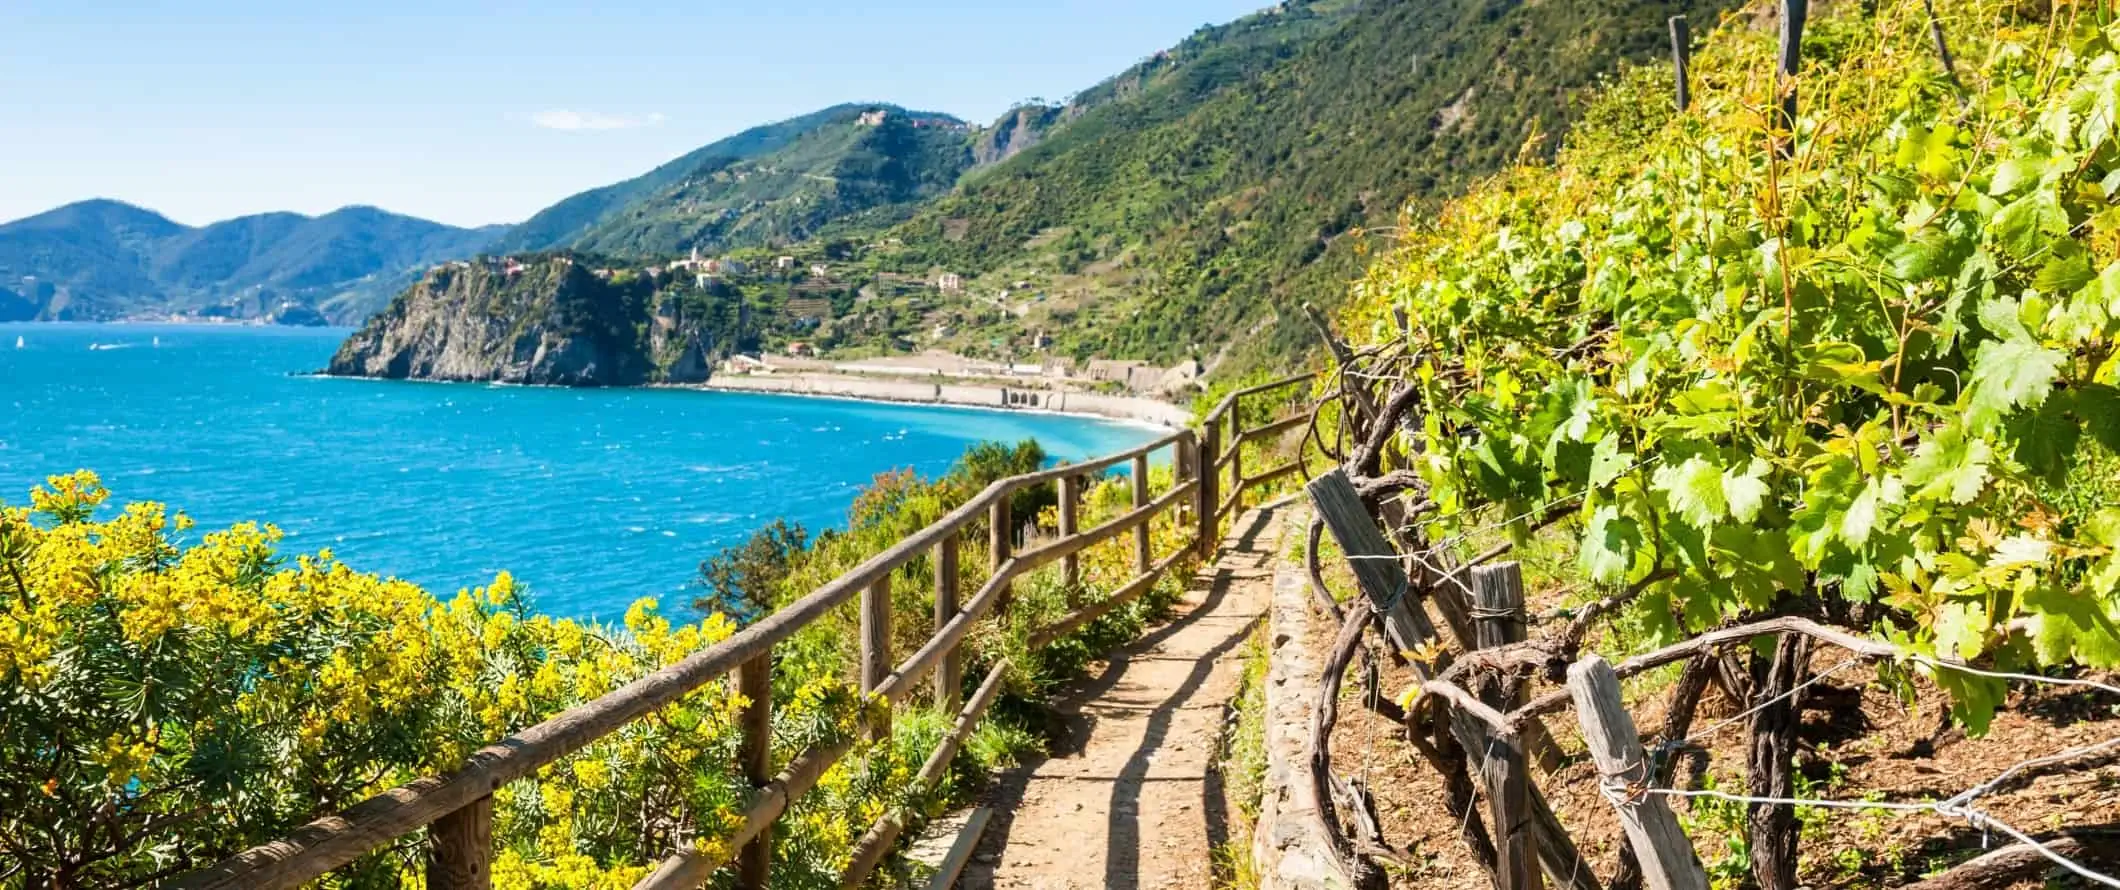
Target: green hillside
x=770, y=185
x=1206, y=194
x=105, y=259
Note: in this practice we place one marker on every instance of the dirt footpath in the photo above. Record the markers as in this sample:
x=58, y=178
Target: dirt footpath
x=1135, y=799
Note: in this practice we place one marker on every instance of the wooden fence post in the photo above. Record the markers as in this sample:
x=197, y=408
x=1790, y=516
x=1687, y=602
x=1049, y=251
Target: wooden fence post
x=1144, y=549
x=1498, y=620
x=463, y=849
x=876, y=648
x=1681, y=58
x=1407, y=627
x=1210, y=448
x=754, y=681
x=1498, y=613
x=949, y=676
x=1070, y=516
x=1666, y=856
x=1000, y=541
x=1379, y=576
x=1236, y=459
x=1793, y=13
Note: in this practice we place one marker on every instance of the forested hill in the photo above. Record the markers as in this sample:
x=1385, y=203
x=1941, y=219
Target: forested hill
x=1191, y=199
x=774, y=184
x=105, y=259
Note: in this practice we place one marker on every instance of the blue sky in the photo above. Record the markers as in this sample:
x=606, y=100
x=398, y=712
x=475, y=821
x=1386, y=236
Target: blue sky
x=478, y=113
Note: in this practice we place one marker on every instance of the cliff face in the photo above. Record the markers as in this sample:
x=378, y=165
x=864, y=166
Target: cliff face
x=552, y=321
x=1017, y=130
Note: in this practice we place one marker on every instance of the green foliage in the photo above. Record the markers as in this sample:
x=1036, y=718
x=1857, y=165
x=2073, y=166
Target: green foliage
x=1195, y=199
x=773, y=185
x=1877, y=369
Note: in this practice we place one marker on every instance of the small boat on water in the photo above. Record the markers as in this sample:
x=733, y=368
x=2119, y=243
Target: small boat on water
x=18, y=342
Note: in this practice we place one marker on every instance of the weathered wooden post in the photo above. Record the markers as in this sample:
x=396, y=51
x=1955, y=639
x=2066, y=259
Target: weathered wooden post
x=1666, y=856
x=1236, y=458
x=1793, y=13
x=463, y=849
x=1144, y=552
x=754, y=681
x=1681, y=58
x=1000, y=542
x=1407, y=627
x=1498, y=620
x=1070, y=515
x=1210, y=533
x=876, y=648
x=949, y=676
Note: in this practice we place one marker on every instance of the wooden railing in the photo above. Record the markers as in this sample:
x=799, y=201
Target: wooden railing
x=457, y=809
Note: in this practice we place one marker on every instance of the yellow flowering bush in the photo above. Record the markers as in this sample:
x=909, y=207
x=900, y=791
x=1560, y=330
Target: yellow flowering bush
x=162, y=706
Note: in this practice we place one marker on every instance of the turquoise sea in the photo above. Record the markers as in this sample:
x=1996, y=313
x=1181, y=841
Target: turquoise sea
x=592, y=498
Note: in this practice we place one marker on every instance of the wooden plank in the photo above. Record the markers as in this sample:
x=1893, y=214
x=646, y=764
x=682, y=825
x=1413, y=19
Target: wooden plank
x=1236, y=458
x=462, y=856
x=949, y=675
x=1131, y=591
x=690, y=869
x=754, y=755
x=1498, y=614
x=871, y=848
x=1660, y=844
x=1209, y=535
x=876, y=648
x=961, y=852
x=1371, y=557
x=1070, y=515
x=1681, y=58
x=1144, y=551
x=1000, y=540
x=1287, y=423
x=1052, y=550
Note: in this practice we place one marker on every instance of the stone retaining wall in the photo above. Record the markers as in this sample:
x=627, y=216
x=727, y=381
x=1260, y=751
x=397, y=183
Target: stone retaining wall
x=1288, y=846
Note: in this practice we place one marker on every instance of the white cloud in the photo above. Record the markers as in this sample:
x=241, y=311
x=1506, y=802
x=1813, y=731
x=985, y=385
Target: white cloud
x=562, y=119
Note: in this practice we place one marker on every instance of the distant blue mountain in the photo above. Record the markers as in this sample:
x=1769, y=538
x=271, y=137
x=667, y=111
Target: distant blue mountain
x=103, y=259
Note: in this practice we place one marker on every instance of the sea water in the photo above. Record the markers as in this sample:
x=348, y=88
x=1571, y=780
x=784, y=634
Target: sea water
x=590, y=498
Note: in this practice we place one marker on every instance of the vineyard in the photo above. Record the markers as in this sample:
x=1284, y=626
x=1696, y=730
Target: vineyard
x=1798, y=382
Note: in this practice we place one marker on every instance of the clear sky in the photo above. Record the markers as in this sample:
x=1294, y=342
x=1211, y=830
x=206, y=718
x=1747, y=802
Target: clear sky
x=474, y=113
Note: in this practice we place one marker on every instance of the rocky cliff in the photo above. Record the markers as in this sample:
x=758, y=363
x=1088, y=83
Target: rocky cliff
x=551, y=320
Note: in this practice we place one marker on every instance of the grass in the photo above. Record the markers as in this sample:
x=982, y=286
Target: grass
x=1242, y=759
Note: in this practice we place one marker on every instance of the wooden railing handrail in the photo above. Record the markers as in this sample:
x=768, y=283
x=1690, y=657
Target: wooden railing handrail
x=336, y=840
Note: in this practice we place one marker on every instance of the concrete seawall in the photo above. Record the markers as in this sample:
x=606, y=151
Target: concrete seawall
x=969, y=395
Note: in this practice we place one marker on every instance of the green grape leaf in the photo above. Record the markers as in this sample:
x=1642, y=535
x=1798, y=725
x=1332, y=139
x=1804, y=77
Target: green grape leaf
x=1867, y=509
x=2023, y=226
x=1950, y=466
x=1609, y=545
x=1746, y=491
x=1694, y=490
x=1974, y=699
x=2046, y=438
x=1607, y=461
x=2098, y=405
x=2072, y=625
x=2011, y=373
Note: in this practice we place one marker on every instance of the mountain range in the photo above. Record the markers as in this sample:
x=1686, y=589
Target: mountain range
x=102, y=259
x=1180, y=208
